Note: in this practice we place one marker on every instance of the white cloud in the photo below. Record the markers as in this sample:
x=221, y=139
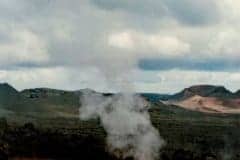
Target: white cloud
x=144, y=81
x=57, y=77
x=23, y=46
x=229, y=11
x=121, y=40
x=225, y=43
x=149, y=44
x=175, y=80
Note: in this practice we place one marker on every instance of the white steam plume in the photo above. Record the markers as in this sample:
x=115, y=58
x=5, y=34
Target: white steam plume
x=124, y=116
x=126, y=120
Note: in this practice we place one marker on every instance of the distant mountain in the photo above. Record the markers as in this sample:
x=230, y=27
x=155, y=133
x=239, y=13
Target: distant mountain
x=55, y=102
x=207, y=98
x=38, y=101
x=51, y=100
x=155, y=97
x=204, y=91
x=8, y=96
x=237, y=93
x=5, y=88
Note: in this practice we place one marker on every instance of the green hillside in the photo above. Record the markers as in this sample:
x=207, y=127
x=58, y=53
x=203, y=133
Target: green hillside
x=41, y=101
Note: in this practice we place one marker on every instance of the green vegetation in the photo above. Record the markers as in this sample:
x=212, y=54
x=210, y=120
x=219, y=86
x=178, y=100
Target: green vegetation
x=188, y=134
x=44, y=123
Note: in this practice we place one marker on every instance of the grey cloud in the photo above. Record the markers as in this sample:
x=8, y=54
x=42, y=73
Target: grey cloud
x=193, y=12
x=49, y=19
x=151, y=7
x=76, y=32
x=211, y=65
x=20, y=11
x=185, y=11
x=87, y=27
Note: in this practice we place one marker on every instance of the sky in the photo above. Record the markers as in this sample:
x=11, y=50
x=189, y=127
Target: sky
x=155, y=45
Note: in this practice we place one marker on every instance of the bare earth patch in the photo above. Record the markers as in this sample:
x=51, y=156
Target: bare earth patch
x=210, y=104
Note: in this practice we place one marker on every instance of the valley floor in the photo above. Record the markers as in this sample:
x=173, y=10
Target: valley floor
x=188, y=136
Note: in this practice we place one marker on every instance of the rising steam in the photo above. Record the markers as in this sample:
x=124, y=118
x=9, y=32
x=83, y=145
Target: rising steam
x=127, y=122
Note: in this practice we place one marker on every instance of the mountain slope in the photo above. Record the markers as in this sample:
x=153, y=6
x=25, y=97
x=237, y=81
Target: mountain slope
x=45, y=100
x=210, y=104
x=52, y=102
x=8, y=96
x=40, y=101
x=204, y=91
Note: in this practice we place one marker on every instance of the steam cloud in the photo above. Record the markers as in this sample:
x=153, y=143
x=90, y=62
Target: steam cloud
x=127, y=122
